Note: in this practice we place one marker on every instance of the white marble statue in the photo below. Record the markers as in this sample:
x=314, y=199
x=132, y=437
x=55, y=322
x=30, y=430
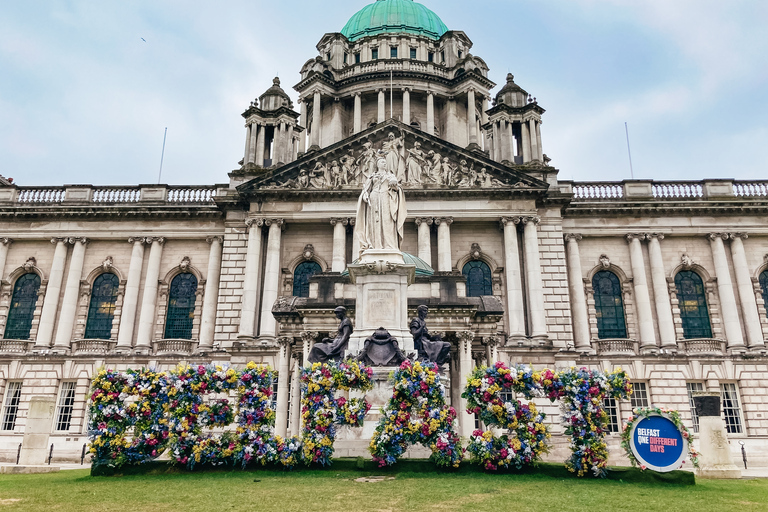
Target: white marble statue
x=381, y=210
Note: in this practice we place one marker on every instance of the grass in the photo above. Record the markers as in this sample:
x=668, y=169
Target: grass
x=335, y=489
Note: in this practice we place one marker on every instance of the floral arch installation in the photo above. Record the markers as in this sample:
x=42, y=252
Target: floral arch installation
x=181, y=307
x=609, y=305
x=478, y=275
x=101, y=311
x=692, y=300
x=22, y=309
x=301, y=276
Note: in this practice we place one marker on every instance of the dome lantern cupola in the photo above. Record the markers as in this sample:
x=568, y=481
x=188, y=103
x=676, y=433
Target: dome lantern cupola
x=394, y=16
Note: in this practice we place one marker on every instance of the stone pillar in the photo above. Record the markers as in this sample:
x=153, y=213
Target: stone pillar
x=642, y=297
x=307, y=342
x=295, y=428
x=358, y=126
x=430, y=113
x=746, y=292
x=271, y=278
x=211, y=297
x=472, y=117
x=484, y=110
x=466, y=421
x=5, y=244
x=533, y=281
x=661, y=293
x=68, y=310
x=491, y=349
x=526, y=143
x=52, y=293
x=250, y=143
x=131, y=295
x=406, y=106
x=336, y=126
x=149, y=298
x=511, y=142
x=538, y=139
x=497, y=143
x=728, y=307
x=451, y=122
x=581, y=334
x=283, y=369
x=303, y=135
x=251, y=280
x=34, y=446
x=339, y=262
x=514, y=280
x=382, y=114
x=314, y=139
x=534, y=139
x=290, y=152
x=260, y=142
x=424, y=242
x=716, y=460
x=444, y=259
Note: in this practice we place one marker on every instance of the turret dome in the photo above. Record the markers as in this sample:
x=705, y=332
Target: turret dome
x=394, y=16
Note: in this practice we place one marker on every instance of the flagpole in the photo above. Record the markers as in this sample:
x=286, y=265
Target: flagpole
x=391, y=114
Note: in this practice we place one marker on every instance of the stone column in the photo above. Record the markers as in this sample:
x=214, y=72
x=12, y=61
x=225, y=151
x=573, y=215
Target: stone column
x=746, y=292
x=382, y=107
x=149, y=298
x=728, y=307
x=336, y=127
x=283, y=369
x=581, y=334
x=307, y=342
x=52, y=293
x=260, y=141
x=466, y=421
x=131, y=295
x=534, y=139
x=661, y=293
x=538, y=138
x=491, y=349
x=358, y=126
x=314, y=139
x=339, y=262
x=497, y=143
x=450, y=128
x=211, y=297
x=303, y=135
x=296, y=396
x=250, y=144
x=472, y=117
x=290, y=152
x=642, y=297
x=484, y=110
x=511, y=139
x=251, y=280
x=271, y=278
x=5, y=244
x=526, y=143
x=69, y=302
x=430, y=113
x=533, y=281
x=444, y=259
x=514, y=280
x=424, y=242
x=406, y=106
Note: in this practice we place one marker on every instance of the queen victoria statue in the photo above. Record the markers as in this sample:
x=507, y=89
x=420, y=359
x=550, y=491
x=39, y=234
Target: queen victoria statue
x=381, y=210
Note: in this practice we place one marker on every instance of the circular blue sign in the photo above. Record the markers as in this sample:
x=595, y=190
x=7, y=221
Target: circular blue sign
x=658, y=444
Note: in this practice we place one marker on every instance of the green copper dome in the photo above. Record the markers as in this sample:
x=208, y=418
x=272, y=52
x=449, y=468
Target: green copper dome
x=387, y=16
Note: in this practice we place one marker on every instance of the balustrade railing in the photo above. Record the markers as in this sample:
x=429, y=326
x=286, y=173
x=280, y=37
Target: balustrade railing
x=97, y=347
x=37, y=195
x=675, y=190
x=174, y=347
x=17, y=347
x=751, y=188
x=704, y=346
x=186, y=194
x=598, y=190
x=116, y=194
x=616, y=347
x=668, y=190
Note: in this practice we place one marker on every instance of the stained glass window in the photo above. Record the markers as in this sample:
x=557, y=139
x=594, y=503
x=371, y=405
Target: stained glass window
x=478, y=278
x=609, y=305
x=22, y=308
x=764, y=288
x=301, y=277
x=101, y=311
x=181, y=307
x=692, y=299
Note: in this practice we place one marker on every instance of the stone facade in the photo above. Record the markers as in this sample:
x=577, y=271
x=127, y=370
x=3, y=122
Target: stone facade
x=490, y=200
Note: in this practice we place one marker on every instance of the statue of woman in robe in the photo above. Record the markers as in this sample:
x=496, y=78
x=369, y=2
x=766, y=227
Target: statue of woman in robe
x=381, y=211
x=394, y=147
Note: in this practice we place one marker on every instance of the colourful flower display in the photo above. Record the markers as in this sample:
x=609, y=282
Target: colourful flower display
x=322, y=411
x=120, y=401
x=582, y=392
x=417, y=413
x=644, y=412
x=526, y=438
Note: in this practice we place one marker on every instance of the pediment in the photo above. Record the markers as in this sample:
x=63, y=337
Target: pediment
x=420, y=161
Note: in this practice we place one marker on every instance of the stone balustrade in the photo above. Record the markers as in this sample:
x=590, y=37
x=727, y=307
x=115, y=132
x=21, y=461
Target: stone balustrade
x=393, y=65
x=109, y=195
x=16, y=347
x=704, y=347
x=616, y=347
x=630, y=190
x=92, y=347
x=174, y=347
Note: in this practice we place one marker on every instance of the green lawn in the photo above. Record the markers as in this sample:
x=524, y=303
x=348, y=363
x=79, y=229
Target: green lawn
x=336, y=490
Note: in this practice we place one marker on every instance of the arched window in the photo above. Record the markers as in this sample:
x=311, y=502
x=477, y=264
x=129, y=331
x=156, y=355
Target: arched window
x=609, y=305
x=301, y=277
x=22, y=308
x=764, y=288
x=692, y=299
x=101, y=311
x=478, y=278
x=181, y=307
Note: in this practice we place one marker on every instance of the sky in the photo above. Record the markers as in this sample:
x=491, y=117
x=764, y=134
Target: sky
x=87, y=88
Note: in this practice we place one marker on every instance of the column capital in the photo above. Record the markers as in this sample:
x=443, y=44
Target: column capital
x=73, y=240
x=339, y=220
x=572, y=237
x=491, y=341
x=279, y=222
x=426, y=220
x=357, y=94
x=380, y=90
x=152, y=239
x=465, y=336
x=254, y=221
x=714, y=236
x=430, y=93
x=216, y=238
x=284, y=341
x=742, y=236
x=308, y=336
x=6, y=241
x=443, y=220
x=137, y=240
x=407, y=89
x=629, y=237
x=527, y=219
x=503, y=221
x=657, y=236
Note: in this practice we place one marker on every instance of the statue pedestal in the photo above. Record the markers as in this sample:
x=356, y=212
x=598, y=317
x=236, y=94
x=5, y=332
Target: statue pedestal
x=716, y=460
x=381, y=282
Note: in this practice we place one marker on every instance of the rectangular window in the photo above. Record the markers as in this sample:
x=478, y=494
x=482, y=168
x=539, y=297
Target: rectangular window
x=327, y=56
x=694, y=387
x=345, y=58
x=65, y=406
x=413, y=53
x=460, y=54
x=431, y=57
x=639, y=396
x=393, y=52
x=731, y=408
x=11, y=405
x=612, y=409
x=374, y=53
x=442, y=56
x=357, y=58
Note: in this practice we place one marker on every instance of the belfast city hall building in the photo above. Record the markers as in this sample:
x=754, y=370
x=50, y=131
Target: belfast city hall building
x=668, y=280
